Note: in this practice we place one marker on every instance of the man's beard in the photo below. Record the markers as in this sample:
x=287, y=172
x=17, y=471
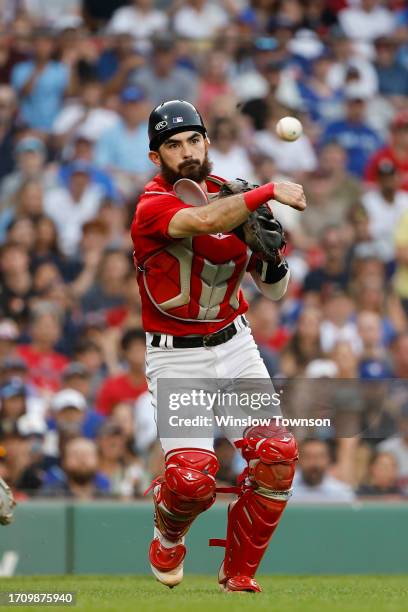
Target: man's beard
x=81, y=477
x=192, y=169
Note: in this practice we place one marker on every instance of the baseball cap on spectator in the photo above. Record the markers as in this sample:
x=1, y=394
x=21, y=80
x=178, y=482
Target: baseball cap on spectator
x=30, y=144
x=386, y=167
x=75, y=369
x=356, y=91
x=85, y=133
x=12, y=388
x=306, y=43
x=31, y=425
x=132, y=94
x=8, y=330
x=400, y=120
x=68, y=398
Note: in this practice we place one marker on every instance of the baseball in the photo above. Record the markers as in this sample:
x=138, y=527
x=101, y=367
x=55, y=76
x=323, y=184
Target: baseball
x=289, y=128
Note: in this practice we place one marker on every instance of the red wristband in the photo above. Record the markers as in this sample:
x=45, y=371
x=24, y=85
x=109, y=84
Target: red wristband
x=259, y=195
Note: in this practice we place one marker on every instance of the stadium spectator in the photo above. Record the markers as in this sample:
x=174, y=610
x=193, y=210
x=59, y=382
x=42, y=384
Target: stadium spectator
x=129, y=384
x=16, y=281
x=358, y=139
x=385, y=206
x=392, y=75
x=79, y=202
x=398, y=447
x=199, y=19
x=80, y=478
x=86, y=115
x=41, y=83
x=44, y=363
x=367, y=21
x=30, y=155
x=382, y=481
x=227, y=154
x=313, y=482
x=126, y=479
x=395, y=151
x=141, y=19
x=162, y=78
x=121, y=150
x=332, y=275
x=8, y=129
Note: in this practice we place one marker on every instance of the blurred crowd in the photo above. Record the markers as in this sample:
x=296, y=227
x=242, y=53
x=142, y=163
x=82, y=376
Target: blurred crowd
x=77, y=82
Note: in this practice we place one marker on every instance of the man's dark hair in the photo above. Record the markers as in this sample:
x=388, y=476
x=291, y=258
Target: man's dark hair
x=132, y=335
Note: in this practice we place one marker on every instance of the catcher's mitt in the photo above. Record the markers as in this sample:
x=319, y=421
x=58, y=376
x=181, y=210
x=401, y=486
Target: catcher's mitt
x=7, y=504
x=261, y=231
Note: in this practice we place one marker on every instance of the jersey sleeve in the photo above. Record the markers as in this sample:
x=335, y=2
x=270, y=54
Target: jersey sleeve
x=153, y=216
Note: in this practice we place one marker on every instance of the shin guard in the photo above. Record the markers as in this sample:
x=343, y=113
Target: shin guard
x=186, y=490
x=264, y=490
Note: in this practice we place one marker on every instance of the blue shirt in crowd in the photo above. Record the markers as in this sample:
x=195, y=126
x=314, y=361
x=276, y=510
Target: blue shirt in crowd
x=357, y=139
x=123, y=149
x=42, y=105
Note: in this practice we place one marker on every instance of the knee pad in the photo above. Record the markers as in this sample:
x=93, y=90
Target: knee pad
x=190, y=474
x=271, y=462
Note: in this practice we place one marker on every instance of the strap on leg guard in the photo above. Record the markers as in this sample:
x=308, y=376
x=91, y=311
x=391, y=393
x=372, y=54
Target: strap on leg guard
x=265, y=490
x=186, y=490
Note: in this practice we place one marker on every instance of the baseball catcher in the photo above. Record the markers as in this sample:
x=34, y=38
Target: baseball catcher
x=195, y=235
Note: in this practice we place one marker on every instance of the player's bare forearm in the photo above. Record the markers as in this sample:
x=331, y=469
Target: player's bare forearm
x=227, y=213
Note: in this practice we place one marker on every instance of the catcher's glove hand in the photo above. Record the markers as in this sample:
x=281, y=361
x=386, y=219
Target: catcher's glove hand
x=7, y=504
x=261, y=231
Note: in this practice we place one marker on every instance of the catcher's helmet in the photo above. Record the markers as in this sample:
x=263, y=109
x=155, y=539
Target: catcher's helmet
x=170, y=118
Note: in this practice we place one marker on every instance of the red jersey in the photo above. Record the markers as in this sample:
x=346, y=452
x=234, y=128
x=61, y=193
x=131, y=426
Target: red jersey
x=117, y=389
x=389, y=154
x=44, y=368
x=187, y=285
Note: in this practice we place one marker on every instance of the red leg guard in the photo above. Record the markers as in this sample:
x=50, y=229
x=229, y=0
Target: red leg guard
x=252, y=519
x=187, y=489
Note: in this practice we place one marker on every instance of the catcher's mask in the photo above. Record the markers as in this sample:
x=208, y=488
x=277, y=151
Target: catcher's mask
x=173, y=117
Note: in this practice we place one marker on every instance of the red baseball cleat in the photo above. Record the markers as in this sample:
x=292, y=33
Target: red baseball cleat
x=237, y=584
x=166, y=559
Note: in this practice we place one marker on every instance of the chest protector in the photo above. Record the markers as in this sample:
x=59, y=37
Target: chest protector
x=198, y=278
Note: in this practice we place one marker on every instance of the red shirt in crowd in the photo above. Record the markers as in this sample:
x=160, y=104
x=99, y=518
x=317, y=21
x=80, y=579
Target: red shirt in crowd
x=44, y=368
x=117, y=389
x=388, y=154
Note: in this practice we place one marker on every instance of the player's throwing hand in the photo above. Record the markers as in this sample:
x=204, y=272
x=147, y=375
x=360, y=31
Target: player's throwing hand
x=290, y=194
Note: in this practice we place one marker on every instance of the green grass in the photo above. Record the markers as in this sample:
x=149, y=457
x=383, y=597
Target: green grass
x=200, y=593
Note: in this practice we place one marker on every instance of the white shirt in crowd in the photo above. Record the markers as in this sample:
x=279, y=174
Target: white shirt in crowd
x=290, y=157
x=384, y=218
x=145, y=424
x=70, y=216
x=140, y=24
x=191, y=23
x=366, y=25
x=231, y=165
x=330, y=334
x=330, y=490
x=93, y=124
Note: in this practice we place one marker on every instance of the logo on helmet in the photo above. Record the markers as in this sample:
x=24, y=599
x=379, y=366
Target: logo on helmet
x=160, y=125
